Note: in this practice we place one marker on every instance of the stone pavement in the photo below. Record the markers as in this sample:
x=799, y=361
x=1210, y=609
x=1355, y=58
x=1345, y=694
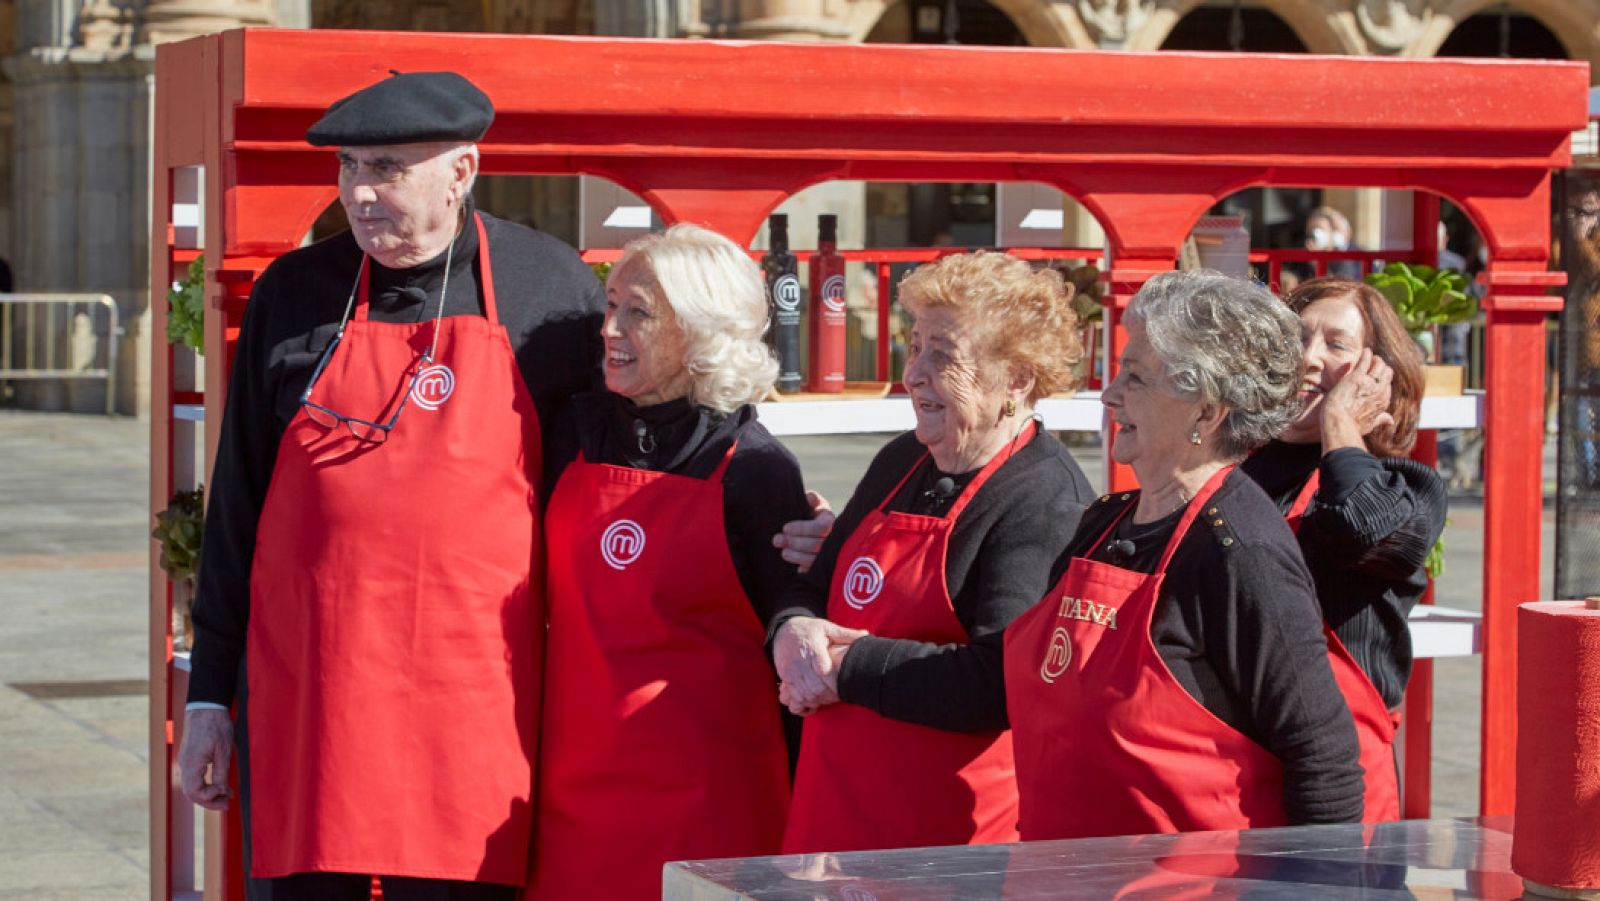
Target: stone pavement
x=73, y=747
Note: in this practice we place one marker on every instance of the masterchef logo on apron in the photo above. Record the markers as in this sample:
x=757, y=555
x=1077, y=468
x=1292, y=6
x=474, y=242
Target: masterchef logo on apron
x=862, y=582
x=1058, y=654
x=1057, y=657
x=622, y=543
x=433, y=387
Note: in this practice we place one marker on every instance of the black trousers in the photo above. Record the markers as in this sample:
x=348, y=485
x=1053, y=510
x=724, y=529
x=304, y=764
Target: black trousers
x=338, y=886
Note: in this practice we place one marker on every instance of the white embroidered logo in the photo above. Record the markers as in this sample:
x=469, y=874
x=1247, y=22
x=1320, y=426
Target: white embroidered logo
x=862, y=582
x=622, y=543
x=433, y=387
x=1057, y=656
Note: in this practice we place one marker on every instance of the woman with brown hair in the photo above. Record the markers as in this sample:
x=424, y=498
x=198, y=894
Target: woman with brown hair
x=1365, y=515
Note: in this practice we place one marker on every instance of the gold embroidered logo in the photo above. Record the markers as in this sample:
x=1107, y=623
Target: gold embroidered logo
x=1057, y=656
x=1087, y=611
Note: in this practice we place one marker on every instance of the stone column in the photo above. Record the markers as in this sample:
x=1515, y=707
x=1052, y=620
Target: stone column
x=80, y=188
x=785, y=20
x=79, y=163
x=173, y=20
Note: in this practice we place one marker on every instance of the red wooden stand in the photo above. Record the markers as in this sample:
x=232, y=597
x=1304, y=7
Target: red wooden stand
x=720, y=132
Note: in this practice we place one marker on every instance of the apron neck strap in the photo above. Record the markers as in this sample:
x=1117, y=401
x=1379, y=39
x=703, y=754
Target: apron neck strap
x=485, y=273
x=485, y=280
x=1196, y=504
x=1302, y=501
x=722, y=467
x=1022, y=437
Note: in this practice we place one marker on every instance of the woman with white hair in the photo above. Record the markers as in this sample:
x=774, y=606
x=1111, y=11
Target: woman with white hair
x=661, y=735
x=1175, y=678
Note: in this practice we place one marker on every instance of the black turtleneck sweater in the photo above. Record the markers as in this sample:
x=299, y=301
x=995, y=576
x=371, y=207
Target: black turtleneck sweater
x=999, y=557
x=762, y=488
x=1365, y=537
x=549, y=302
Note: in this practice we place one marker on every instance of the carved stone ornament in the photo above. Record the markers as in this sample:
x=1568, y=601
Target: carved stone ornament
x=172, y=20
x=1391, y=25
x=1112, y=21
x=105, y=25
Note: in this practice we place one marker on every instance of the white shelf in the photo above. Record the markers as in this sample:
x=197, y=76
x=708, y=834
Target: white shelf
x=1445, y=632
x=1079, y=413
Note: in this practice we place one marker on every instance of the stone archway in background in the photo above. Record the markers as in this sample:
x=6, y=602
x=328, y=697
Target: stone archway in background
x=1040, y=22
x=400, y=15
x=1312, y=21
x=1575, y=23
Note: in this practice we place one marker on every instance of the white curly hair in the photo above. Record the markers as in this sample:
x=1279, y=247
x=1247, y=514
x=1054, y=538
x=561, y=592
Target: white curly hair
x=719, y=299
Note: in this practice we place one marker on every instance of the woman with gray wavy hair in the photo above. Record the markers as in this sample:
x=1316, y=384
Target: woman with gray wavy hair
x=661, y=736
x=1175, y=678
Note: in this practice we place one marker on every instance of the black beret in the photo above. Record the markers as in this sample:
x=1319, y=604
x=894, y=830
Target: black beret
x=409, y=108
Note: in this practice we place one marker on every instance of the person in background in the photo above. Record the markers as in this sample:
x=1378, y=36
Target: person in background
x=661, y=738
x=1366, y=516
x=892, y=642
x=1327, y=229
x=1175, y=677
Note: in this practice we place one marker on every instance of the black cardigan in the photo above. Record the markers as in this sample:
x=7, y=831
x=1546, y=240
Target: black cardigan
x=1238, y=626
x=999, y=554
x=1365, y=536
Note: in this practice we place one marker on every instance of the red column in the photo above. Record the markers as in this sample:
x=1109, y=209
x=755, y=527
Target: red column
x=1417, y=768
x=1512, y=501
x=1127, y=274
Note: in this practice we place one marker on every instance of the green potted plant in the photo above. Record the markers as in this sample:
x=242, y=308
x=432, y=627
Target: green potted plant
x=1426, y=298
x=179, y=529
x=186, y=318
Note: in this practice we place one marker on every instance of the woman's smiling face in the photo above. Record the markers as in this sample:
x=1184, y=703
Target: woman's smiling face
x=1333, y=334
x=644, y=343
x=1153, y=423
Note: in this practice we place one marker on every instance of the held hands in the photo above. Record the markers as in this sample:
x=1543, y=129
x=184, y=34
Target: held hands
x=1358, y=404
x=801, y=539
x=808, y=652
x=207, y=744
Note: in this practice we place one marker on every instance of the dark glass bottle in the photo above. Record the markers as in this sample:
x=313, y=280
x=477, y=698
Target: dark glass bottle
x=784, y=299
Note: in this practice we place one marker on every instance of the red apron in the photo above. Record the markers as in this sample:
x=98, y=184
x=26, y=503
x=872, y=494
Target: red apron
x=866, y=781
x=1375, y=723
x=1108, y=741
x=395, y=632
x=661, y=732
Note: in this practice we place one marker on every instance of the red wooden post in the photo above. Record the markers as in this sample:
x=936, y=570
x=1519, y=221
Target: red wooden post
x=1127, y=275
x=1512, y=500
x=1425, y=239
x=1417, y=768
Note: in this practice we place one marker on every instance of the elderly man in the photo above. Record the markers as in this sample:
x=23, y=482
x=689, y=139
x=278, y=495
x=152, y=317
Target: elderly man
x=373, y=522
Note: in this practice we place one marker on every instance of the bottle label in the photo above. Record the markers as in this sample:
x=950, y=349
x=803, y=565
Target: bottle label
x=786, y=293
x=833, y=293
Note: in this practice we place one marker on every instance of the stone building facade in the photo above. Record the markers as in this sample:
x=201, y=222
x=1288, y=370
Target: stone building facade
x=75, y=84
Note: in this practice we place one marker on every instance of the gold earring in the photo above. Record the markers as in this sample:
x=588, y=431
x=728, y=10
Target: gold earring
x=1194, y=437
x=1010, y=409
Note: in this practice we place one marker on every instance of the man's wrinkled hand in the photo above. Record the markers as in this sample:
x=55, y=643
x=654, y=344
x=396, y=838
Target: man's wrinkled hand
x=801, y=539
x=204, y=757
